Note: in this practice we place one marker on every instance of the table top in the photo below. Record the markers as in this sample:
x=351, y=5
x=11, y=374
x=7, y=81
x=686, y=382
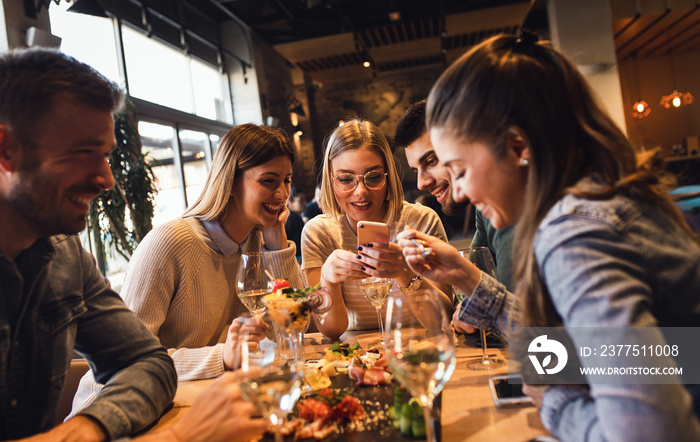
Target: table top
x=468, y=411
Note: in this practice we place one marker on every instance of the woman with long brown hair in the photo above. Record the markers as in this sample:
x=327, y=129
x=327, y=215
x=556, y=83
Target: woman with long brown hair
x=598, y=242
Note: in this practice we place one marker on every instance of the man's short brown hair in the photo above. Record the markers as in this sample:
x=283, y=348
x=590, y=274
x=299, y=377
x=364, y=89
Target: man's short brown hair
x=32, y=79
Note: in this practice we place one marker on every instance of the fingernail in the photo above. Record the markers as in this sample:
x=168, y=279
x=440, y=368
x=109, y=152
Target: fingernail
x=358, y=257
x=363, y=269
x=359, y=248
x=370, y=245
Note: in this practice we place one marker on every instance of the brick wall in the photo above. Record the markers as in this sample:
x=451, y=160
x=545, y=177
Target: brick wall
x=382, y=100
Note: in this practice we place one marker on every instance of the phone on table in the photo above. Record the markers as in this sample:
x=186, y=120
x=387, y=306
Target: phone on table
x=507, y=391
x=372, y=232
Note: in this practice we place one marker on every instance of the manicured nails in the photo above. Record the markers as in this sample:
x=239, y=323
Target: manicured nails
x=358, y=257
x=363, y=269
x=359, y=248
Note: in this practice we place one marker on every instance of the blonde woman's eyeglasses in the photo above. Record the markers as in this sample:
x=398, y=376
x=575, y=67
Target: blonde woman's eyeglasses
x=347, y=182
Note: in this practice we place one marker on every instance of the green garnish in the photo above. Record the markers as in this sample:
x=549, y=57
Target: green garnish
x=331, y=396
x=300, y=293
x=339, y=349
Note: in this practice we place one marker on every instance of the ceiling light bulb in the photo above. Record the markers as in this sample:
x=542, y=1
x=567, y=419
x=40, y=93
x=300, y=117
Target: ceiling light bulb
x=366, y=64
x=677, y=102
x=640, y=109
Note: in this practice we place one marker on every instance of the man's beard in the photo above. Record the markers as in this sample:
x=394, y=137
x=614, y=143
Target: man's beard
x=453, y=207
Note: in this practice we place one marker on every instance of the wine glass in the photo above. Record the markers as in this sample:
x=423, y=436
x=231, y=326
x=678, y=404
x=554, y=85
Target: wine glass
x=272, y=385
x=420, y=347
x=375, y=290
x=253, y=282
x=482, y=259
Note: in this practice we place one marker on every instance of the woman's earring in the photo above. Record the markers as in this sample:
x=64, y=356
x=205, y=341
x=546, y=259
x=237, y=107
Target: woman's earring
x=524, y=162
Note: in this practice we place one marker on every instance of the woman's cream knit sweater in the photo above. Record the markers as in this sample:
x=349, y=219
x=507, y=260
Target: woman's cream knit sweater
x=185, y=293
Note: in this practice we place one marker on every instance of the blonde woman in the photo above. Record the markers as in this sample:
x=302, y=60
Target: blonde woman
x=181, y=280
x=360, y=183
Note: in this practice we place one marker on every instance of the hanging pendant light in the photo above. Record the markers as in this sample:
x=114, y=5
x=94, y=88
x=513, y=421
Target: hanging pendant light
x=674, y=99
x=640, y=109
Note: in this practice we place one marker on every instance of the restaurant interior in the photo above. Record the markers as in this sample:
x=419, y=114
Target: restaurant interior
x=306, y=65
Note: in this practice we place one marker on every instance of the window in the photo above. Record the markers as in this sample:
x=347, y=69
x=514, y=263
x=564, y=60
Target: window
x=156, y=72
x=194, y=146
x=161, y=78
x=211, y=97
x=215, y=140
x=87, y=38
x=157, y=141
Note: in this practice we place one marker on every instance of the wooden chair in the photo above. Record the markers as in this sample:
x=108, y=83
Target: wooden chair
x=78, y=367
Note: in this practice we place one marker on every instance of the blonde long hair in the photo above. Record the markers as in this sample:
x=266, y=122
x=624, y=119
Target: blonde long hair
x=243, y=147
x=355, y=134
x=510, y=81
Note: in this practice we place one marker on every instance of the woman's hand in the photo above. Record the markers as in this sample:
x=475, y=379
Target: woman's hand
x=535, y=392
x=444, y=263
x=275, y=236
x=254, y=327
x=461, y=326
x=384, y=260
x=219, y=413
x=340, y=266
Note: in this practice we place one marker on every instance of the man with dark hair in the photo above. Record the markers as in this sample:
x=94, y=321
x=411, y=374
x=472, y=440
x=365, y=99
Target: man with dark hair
x=56, y=133
x=412, y=135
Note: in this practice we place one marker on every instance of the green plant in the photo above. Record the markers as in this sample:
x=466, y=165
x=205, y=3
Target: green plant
x=123, y=214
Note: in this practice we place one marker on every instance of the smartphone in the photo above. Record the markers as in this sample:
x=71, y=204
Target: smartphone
x=507, y=391
x=372, y=232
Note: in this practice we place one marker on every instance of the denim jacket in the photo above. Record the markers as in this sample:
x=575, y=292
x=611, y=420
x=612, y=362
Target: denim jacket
x=619, y=263
x=610, y=263
x=53, y=300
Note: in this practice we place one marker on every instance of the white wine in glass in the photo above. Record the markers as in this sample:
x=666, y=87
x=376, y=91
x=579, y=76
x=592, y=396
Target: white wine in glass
x=272, y=385
x=252, y=300
x=252, y=282
x=420, y=347
x=481, y=257
x=375, y=290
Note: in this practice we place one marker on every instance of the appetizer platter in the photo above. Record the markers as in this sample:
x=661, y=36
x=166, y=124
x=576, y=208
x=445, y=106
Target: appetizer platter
x=351, y=395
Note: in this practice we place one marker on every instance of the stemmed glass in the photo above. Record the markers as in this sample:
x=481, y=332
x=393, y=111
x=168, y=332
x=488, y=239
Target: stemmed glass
x=420, y=347
x=375, y=290
x=253, y=282
x=482, y=259
x=272, y=385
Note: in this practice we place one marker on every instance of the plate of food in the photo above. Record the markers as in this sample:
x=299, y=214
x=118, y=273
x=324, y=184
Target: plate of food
x=350, y=395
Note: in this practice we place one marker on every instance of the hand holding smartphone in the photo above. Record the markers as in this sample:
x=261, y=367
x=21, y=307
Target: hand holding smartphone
x=372, y=232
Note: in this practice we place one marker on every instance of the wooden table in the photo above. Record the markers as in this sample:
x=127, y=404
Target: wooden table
x=468, y=412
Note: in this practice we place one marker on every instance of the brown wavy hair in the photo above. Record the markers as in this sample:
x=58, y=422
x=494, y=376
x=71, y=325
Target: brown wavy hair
x=511, y=82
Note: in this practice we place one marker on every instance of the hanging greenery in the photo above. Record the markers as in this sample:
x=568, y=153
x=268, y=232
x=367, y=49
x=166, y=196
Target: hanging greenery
x=123, y=215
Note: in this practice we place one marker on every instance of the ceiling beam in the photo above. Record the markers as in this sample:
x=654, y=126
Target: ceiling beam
x=406, y=50
x=483, y=19
x=317, y=47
